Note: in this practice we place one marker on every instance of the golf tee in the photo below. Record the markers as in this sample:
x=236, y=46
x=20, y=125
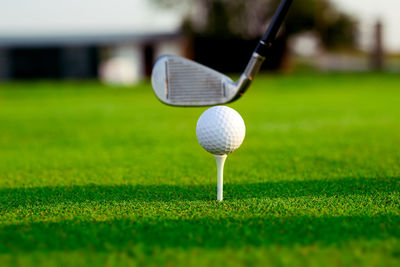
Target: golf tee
x=220, y=159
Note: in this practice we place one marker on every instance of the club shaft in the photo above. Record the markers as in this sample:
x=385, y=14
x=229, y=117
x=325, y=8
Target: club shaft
x=273, y=28
x=262, y=49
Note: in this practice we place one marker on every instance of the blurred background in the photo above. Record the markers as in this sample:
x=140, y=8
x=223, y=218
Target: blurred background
x=118, y=41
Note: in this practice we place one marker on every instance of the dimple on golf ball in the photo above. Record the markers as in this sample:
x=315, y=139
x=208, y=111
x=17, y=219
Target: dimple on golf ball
x=220, y=130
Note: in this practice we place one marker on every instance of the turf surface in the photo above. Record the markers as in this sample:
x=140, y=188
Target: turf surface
x=110, y=176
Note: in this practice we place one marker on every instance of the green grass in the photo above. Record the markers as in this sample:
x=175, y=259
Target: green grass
x=91, y=175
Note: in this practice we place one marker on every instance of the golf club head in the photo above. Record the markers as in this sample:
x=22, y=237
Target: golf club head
x=181, y=82
x=178, y=81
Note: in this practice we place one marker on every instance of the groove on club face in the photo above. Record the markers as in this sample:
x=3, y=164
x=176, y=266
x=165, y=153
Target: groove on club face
x=182, y=82
x=186, y=81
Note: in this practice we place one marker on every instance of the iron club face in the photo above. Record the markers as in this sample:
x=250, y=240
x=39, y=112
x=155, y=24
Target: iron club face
x=181, y=82
x=178, y=81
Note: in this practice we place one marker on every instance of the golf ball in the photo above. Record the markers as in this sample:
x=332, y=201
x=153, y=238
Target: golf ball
x=220, y=130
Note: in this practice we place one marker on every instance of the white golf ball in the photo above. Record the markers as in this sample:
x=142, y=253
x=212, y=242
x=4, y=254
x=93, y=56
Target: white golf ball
x=220, y=130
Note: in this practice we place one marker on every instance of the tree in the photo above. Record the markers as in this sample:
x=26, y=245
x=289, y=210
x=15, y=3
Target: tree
x=247, y=19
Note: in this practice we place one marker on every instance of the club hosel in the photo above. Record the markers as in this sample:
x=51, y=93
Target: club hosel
x=247, y=76
x=253, y=66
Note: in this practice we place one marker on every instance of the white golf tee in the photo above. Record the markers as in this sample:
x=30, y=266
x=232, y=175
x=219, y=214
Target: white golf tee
x=220, y=159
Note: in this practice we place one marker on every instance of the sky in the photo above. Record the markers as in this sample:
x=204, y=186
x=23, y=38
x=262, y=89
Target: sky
x=84, y=16
x=35, y=17
x=370, y=11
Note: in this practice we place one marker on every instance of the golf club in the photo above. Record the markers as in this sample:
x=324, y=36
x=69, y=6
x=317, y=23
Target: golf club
x=178, y=81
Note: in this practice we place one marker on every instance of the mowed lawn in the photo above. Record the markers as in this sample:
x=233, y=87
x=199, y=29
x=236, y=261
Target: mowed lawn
x=93, y=175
